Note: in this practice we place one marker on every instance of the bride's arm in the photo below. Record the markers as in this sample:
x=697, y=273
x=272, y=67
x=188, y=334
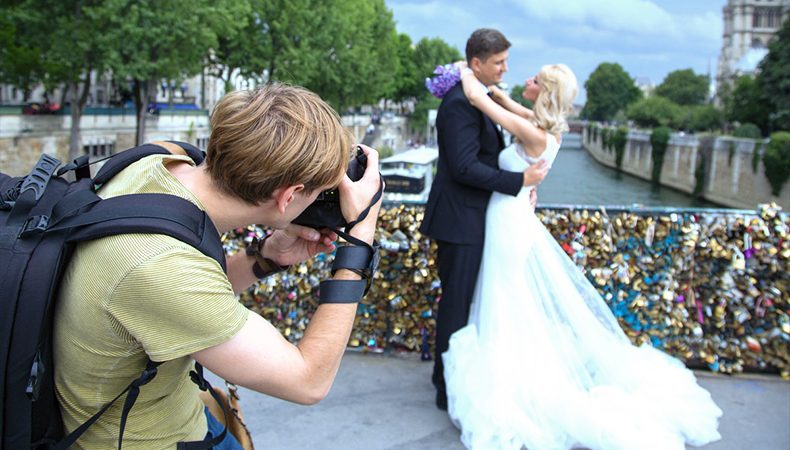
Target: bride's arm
x=510, y=104
x=531, y=137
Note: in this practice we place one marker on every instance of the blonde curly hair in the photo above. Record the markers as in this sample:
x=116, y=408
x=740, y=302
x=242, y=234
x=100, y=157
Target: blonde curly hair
x=558, y=90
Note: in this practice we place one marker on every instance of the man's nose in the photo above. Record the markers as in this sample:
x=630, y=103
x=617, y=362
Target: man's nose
x=504, y=67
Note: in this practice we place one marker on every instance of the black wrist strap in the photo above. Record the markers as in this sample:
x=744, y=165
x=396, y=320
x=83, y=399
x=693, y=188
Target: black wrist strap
x=361, y=259
x=342, y=291
x=352, y=257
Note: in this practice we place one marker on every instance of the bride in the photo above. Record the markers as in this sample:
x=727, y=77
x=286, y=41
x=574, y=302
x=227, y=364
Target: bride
x=543, y=363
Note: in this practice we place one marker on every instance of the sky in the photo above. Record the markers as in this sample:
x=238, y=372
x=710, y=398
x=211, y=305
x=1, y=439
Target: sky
x=648, y=38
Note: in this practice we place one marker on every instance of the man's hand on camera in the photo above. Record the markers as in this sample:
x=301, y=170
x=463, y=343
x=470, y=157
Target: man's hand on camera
x=355, y=197
x=297, y=243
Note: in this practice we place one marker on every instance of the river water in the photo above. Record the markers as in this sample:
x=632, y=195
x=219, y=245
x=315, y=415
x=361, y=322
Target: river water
x=578, y=179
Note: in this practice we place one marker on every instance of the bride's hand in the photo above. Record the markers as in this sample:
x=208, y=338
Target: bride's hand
x=496, y=93
x=460, y=65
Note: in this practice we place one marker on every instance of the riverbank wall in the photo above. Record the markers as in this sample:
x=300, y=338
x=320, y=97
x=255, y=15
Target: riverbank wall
x=725, y=170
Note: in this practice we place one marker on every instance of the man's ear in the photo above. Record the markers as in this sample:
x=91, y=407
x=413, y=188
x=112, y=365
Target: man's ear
x=475, y=64
x=283, y=196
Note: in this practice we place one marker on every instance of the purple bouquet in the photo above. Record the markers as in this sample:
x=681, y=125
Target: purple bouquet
x=446, y=77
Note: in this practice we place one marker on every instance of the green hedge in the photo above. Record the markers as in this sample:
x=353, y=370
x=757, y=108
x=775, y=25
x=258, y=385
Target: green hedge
x=618, y=141
x=659, y=139
x=748, y=130
x=777, y=160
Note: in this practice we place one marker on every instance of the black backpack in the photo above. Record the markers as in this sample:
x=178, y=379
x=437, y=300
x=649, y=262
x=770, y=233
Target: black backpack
x=42, y=217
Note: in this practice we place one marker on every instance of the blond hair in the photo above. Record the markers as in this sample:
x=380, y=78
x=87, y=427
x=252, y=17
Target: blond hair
x=274, y=136
x=558, y=89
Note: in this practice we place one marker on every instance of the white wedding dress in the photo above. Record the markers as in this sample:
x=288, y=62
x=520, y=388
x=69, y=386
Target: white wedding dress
x=543, y=363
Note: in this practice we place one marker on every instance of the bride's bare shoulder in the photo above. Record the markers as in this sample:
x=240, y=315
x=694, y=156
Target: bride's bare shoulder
x=535, y=143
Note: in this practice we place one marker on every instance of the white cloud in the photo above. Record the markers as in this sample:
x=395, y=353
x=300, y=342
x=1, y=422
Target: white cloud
x=647, y=37
x=624, y=18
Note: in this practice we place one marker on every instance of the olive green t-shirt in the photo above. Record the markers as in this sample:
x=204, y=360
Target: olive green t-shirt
x=128, y=297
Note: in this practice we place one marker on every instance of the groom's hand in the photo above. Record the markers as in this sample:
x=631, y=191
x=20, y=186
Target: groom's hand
x=535, y=173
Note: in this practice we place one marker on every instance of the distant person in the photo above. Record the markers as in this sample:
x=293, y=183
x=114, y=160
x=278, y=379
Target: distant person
x=467, y=173
x=543, y=362
x=131, y=297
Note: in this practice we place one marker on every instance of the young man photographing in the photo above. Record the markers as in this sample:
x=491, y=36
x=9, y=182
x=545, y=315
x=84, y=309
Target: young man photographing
x=131, y=297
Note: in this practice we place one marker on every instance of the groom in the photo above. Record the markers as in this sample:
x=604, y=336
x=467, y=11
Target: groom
x=467, y=173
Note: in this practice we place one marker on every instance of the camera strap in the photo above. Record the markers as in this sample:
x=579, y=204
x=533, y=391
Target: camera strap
x=363, y=214
x=359, y=257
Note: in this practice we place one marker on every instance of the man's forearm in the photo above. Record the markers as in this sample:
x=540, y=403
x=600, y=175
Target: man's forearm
x=326, y=338
x=240, y=272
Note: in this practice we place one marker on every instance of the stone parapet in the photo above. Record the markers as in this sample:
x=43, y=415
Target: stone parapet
x=730, y=174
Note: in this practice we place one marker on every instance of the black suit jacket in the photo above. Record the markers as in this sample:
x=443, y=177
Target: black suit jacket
x=467, y=172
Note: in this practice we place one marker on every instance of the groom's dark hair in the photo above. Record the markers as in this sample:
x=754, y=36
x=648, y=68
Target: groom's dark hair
x=485, y=42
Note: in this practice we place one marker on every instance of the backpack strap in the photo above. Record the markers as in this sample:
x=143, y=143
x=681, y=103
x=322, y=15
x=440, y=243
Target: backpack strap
x=133, y=389
x=145, y=213
x=203, y=384
x=122, y=160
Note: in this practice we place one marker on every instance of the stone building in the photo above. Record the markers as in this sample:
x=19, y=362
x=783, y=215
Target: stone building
x=749, y=25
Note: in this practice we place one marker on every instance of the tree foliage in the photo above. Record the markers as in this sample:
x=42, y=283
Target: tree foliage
x=356, y=52
x=418, y=120
x=748, y=131
x=429, y=53
x=746, y=104
x=185, y=31
x=774, y=78
x=653, y=112
x=684, y=87
x=408, y=83
x=609, y=89
x=777, y=161
x=20, y=58
x=704, y=118
x=72, y=41
x=659, y=139
x=517, y=95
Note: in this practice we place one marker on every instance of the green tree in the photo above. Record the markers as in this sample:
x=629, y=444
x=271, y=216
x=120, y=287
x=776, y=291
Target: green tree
x=358, y=52
x=705, y=118
x=185, y=30
x=247, y=51
x=774, y=78
x=516, y=95
x=747, y=103
x=418, y=120
x=609, y=89
x=429, y=53
x=684, y=87
x=20, y=60
x=408, y=83
x=777, y=161
x=76, y=44
x=748, y=130
x=654, y=111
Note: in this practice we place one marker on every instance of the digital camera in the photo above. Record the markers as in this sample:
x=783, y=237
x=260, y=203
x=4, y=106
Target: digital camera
x=325, y=211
